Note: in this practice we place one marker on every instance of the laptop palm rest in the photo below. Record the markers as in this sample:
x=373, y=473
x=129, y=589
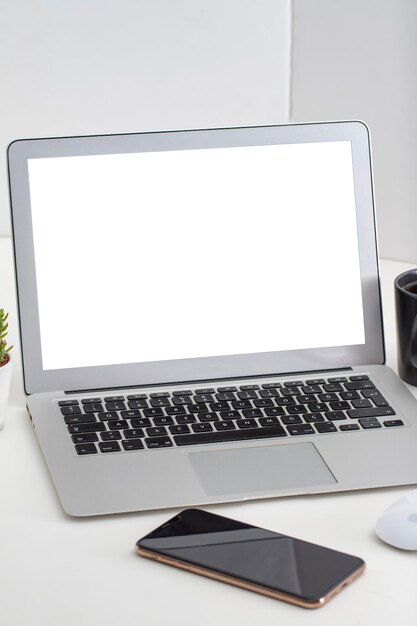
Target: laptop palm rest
x=261, y=469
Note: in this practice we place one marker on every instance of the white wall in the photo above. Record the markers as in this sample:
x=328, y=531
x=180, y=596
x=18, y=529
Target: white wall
x=358, y=59
x=106, y=66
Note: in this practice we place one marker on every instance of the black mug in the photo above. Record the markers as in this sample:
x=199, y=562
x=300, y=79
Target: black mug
x=406, y=307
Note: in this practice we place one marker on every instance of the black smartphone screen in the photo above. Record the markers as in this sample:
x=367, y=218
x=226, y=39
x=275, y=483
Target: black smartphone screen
x=262, y=557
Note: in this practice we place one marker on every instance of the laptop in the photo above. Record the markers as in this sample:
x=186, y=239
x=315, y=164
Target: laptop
x=201, y=319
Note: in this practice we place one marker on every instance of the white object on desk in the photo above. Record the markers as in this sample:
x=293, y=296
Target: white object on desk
x=5, y=379
x=398, y=523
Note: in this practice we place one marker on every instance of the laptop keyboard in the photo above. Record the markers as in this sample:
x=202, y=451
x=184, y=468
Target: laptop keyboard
x=225, y=414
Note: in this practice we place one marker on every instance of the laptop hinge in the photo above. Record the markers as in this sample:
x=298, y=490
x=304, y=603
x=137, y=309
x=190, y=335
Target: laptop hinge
x=209, y=380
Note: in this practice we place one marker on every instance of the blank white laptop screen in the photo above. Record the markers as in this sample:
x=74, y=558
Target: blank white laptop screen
x=191, y=253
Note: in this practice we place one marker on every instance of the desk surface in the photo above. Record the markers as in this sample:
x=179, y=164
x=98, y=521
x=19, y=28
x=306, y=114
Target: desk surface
x=84, y=572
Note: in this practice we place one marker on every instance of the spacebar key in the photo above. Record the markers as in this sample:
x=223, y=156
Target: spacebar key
x=230, y=435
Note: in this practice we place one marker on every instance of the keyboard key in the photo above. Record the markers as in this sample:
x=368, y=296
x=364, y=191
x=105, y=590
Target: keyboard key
x=262, y=402
x=248, y=387
x=247, y=395
x=186, y=419
x=291, y=419
x=132, y=444
x=271, y=386
x=332, y=387
x=112, y=435
x=335, y=415
x=130, y=414
x=246, y=423
x=93, y=407
x=293, y=383
x=163, y=421
x=108, y=415
x=140, y=422
x=227, y=436
x=202, y=428
x=109, y=446
x=230, y=415
x=296, y=408
x=228, y=425
x=133, y=433
x=137, y=396
x=157, y=412
x=225, y=389
x=284, y=401
x=71, y=410
x=300, y=429
x=252, y=413
x=160, y=402
x=350, y=426
x=226, y=396
x=313, y=417
x=241, y=404
x=114, y=398
x=287, y=393
x=366, y=384
x=117, y=424
x=328, y=397
x=315, y=381
x=317, y=407
x=197, y=408
x=175, y=410
x=340, y=405
x=87, y=438
x=276, y=410
x=156, y=431
x=161, y=442
x=138, y=403
x=268, y=421
x=203, y=397
x=337, y=379
x=204, y=391
x=369, y=422
x=307, y=389
x=117, y=405
x=209, y=417
x=268, y=393
x=86, y=428
x=362, y=404
x=68, y=402
x=375, y=412
x=359, y=377
x=350, y=395
x=179, y=428
x=221, y=406
x=178, y=400
x=305, y=399
x=391, y=423
x=91, y=401
x=85, y=448
x=182, y=393
x=163, y=394
x=379, y=400
x=79, y=419
x=326, y=427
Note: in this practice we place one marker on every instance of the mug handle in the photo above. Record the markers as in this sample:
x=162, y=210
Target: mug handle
x=413, y=343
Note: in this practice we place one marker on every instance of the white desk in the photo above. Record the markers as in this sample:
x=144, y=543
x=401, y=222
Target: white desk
x=55, y=570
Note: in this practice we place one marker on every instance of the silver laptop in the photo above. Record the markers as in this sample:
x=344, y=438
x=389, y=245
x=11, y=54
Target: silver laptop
x=200, y=317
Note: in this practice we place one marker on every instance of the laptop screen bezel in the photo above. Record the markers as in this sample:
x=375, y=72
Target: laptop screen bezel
x=36, y=379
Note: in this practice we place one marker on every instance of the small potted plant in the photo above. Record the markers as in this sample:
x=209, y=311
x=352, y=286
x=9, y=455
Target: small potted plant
x=5, y=367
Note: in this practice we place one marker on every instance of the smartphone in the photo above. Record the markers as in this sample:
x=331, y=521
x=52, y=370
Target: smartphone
x=253, y=558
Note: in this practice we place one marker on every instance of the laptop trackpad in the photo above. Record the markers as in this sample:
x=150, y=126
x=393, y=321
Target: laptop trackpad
x=261, y=469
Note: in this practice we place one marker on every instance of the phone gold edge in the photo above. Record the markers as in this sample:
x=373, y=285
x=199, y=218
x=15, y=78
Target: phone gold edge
x=237, y=582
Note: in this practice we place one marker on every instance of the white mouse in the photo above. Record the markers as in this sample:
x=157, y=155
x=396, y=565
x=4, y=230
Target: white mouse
x=398, y=523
